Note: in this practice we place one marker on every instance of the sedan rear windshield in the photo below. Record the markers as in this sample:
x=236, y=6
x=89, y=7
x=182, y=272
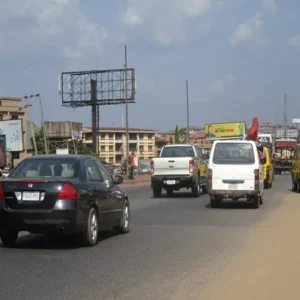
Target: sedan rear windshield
x=54, y=167
x=178, y=151
x=233, y=154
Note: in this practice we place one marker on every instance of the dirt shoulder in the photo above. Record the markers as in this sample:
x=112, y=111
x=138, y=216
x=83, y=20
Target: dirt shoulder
x=138, y=181
x=269, y=266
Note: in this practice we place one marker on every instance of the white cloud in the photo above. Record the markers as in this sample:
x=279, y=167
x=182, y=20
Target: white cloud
x=221, y=86
x=42, y=24
x=270, y=5
x=295, y=40
x=165, y=23
x=249, y=33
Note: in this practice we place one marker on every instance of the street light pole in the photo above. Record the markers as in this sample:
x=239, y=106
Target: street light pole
x=126, y=114
x=188, y=111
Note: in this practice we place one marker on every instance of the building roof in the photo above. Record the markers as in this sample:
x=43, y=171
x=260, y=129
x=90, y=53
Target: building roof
x=198, y=135
x=11, y=98
x=122, y=129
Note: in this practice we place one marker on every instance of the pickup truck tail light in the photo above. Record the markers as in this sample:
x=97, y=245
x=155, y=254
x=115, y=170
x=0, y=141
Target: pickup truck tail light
x=256, y=179
x=152, y=166
x=191, y=166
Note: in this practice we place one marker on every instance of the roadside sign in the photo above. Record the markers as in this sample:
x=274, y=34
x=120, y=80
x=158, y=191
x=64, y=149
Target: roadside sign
x=215, y=131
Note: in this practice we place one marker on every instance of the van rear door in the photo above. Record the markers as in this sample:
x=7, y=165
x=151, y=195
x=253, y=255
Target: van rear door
x=233, y=166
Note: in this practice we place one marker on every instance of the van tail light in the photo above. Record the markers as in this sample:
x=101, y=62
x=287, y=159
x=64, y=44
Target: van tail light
x=256, y=179
x=68, y=192
x=210, y=172
x=152, y=166
x=1, y=193
x=191, y=166
x=209, y=179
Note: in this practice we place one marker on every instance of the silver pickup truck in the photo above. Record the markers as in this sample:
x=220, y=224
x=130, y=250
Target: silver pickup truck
x=178, y=166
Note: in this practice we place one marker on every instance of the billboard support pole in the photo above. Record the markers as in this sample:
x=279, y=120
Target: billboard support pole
x=188, y=111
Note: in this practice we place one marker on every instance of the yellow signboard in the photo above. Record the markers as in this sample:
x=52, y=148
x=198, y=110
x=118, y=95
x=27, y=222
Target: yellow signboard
x=225, y=130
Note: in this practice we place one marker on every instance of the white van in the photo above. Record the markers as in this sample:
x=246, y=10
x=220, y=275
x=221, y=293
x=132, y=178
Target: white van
x=235, y=171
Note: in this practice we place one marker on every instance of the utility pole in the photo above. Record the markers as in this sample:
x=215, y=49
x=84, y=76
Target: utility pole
x=43, y=124
x=188, y=111
x=126, y=114
x=27, y=106
x=285, y=116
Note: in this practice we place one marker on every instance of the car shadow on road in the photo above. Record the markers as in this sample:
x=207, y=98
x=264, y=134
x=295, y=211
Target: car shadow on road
x=178, y=195
x=37, y=241
x=232, y=205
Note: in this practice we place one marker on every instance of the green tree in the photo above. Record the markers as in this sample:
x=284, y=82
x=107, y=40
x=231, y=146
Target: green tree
x=177, y=137
x=82, y=148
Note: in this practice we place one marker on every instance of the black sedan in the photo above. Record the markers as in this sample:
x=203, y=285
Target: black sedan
x=62, y=194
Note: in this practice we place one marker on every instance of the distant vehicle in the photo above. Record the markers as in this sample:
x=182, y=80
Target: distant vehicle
x=179, y=166
x=284, y=152
x=235, y=171
x=62, y=194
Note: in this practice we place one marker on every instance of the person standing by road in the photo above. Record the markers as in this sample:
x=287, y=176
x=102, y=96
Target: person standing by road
x=131, y=163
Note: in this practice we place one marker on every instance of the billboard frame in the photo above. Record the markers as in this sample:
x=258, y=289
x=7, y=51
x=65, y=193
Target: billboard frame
x=242, y=136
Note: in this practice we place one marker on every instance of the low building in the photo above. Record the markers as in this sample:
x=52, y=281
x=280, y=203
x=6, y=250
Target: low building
x=112, y=143
x=13, y=125
x=200, y=140
x=159, y=143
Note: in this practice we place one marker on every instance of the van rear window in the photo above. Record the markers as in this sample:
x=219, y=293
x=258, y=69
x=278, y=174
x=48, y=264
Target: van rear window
x=233, y=154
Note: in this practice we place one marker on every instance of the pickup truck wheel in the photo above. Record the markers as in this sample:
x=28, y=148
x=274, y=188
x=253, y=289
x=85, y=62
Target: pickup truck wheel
x=196, y=190
x=256, y=202
x=294, y=186
x=156, y=192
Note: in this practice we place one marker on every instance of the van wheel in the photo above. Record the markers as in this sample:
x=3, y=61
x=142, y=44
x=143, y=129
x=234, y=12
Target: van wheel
x=196, y=190
x=9, y=238
x=261, y=200
x=156, y=192
x=256, y=202
x=204, y=189
x=215, y=203
x=295, y=187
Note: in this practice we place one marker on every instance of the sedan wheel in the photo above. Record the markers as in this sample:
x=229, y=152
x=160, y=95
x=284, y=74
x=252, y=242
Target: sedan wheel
x=9, y=238
x=124, y=226
x=89, y=236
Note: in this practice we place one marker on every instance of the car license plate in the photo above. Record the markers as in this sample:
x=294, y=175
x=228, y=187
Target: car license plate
x=171, y=182
x=31, y=196
x=232, y=186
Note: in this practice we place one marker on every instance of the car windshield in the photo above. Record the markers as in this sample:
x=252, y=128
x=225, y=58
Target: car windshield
x=54, y=167
x=233, y=154
x=178, y=151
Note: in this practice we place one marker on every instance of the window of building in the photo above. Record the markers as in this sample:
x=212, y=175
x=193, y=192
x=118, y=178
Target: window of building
x=102, y=148
x=111, y=148
x=14, y=117
x=102, y=135
x=150, y=148
x=111, y=135
x=150, y=135
x=141, y=135
x=1, y=117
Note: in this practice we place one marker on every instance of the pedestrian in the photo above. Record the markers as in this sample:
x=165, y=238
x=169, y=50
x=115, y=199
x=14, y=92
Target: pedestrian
x=131, y=163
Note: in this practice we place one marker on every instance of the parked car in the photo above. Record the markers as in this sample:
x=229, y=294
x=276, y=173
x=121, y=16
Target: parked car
x=62, y=194
x=235, y=171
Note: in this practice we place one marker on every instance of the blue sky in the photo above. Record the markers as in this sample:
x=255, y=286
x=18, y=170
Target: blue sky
x=240, y=56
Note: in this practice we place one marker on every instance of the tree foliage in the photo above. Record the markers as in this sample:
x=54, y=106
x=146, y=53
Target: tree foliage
x=82, y=148
x=180, y=134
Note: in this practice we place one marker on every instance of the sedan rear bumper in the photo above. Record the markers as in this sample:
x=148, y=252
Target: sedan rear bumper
x=64, y=218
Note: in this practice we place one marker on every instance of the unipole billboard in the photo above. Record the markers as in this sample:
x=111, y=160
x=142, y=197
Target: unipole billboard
x=215, y=131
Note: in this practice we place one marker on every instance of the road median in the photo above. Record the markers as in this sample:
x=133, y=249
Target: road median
x=137, y=181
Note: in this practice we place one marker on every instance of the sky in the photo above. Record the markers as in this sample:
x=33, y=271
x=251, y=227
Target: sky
x=239, y=56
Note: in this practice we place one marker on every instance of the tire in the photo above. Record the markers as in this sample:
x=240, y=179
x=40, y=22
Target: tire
x=261, y=200
x=89, y=237
x=266, y=185
x=295, y=187
x=196, y=190
x=215, y=203
x=256, y=202
x=124, y=226
x=270, y=185
x=204, y=189
x=9, y=238
x=169, y=192
x=156, y=192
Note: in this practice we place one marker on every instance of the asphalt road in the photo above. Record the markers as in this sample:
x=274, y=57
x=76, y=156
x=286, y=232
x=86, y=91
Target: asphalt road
x=175, y=248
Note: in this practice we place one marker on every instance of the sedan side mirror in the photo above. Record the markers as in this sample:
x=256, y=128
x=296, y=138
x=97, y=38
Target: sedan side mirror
x=118, y=179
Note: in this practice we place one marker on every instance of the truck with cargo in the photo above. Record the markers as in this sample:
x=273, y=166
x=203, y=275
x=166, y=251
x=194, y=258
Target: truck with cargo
x=283, y=155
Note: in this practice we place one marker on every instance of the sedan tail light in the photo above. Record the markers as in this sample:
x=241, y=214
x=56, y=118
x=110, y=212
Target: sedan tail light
x=68, y=192
x=1, y=193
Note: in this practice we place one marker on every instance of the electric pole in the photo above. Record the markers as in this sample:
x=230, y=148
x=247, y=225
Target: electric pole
x=285, y=116
x=43, y=123
x=27, y=106
x=188, y=111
